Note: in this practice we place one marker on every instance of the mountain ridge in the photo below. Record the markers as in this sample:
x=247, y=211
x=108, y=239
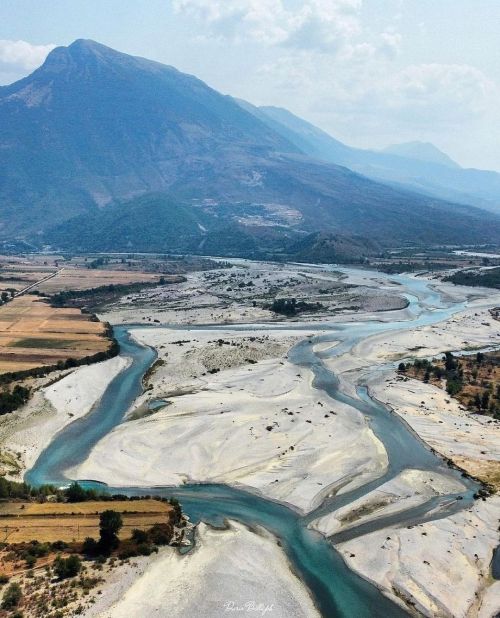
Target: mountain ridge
x=422, y=151
x=94, y=129
x=465, y=186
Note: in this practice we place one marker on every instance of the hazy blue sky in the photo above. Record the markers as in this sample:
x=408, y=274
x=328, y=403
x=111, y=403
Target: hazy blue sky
x=370, y=72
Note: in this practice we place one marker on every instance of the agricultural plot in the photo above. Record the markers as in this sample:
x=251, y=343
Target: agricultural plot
x=73, y=522
x=34, y=334
x=86, y=279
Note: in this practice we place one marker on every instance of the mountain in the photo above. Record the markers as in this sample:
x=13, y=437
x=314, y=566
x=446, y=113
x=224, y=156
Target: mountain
x=416, y=166
x=99, y=149
x=305, y=136
x=92, y=125
x=324, y=247
x=422, y=151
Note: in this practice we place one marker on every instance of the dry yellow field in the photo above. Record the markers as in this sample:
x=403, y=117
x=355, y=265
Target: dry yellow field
x=82, y=508
x=69, y=522
x=85, y=279
x=20, y=277
x=33, y=334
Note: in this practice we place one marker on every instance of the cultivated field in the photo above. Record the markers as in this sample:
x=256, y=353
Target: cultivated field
x=85, y=279
x=33, y=334
x=56, y=274
x=50, y=522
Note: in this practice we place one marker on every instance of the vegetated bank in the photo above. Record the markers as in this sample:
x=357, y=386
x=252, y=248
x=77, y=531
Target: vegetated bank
x=38, y=339
x=55, y=333
x=489, y=278
x=56, y=574
x=473, y=379
x=95, y=297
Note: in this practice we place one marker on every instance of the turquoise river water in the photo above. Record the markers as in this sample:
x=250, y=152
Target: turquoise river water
x=336, y=590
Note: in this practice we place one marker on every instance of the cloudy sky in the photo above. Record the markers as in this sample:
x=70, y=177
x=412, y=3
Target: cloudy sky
x=370, y=72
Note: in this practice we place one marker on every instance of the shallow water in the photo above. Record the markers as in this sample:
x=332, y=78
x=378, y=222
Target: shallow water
x=336, y=590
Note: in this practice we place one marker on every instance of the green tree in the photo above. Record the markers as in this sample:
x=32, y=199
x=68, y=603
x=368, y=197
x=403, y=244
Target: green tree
x=177, y=509
x=76, y=493
x=110, y=523
x=485, y=400
x=453, y=387
x=449, y=361
x=161, y=534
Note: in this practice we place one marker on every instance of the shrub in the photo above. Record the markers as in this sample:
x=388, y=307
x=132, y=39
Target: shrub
x=139, y=536
x=144, y=549
x=453, y=387
x=128, y=552
x=11, y=596
x=38, y=549
x=89, y=546
x=67, y=567
x=161, y=534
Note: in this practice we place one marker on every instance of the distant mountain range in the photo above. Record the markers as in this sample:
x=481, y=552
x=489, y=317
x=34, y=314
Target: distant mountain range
x=422, y=151
x=417, y=166
x=100, y=150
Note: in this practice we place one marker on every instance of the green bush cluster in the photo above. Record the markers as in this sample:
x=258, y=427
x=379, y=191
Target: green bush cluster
x=34, y=551
x=452, y=372
x=11, y=400
x=11, y=596
x=487, y=401
x=67, y=567
x=484, y=278
x=292, y=306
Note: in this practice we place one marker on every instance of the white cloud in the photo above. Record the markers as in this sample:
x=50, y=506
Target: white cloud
x=360, y=95
x=21, y=55
x=322, y=25
x=446, y=90
x=330, y=63
x=390, y=43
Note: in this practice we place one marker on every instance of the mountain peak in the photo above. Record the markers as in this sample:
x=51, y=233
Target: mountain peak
x=80, y=52
x=88, y=44
x=421, y=151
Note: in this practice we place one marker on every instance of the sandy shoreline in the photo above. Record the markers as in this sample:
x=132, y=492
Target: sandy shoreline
x=442, y=568
x=259, y=425
x=408, y=489
x=25, y=433
x=202, y=582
